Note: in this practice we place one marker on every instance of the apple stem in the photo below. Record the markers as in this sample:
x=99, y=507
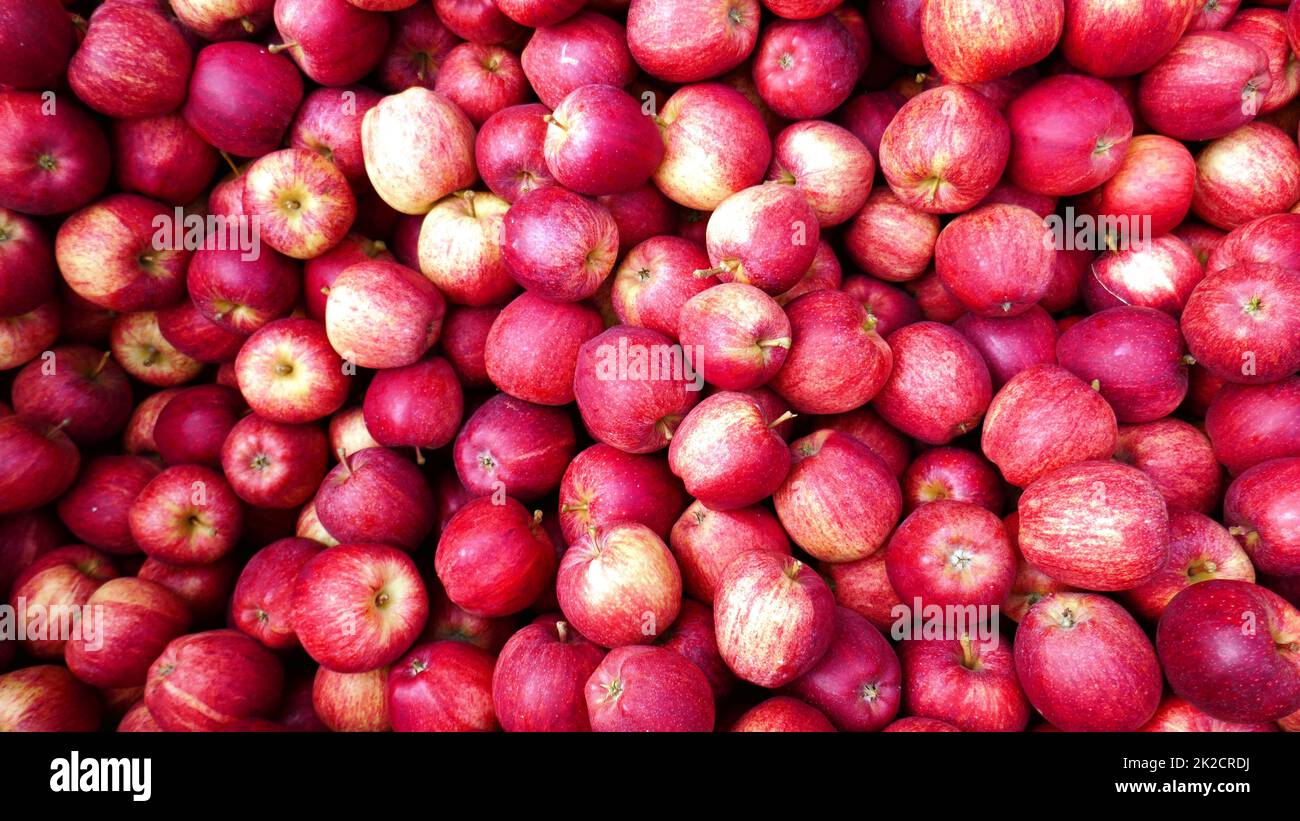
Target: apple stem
x=375, y=248
x=247, y=25
x=782, y=419
x=343, y=460
x=562, y=630
x=276, y=48
x=550, y=120
x=572, y=507
x=468, y=197
x=1095, y=384
x=968, y=659
x=103, y=360
x=230, y=162
x=782, y=342
x=419, y=456
x=1188, y=359
x=67, y=420
x=537, y=518
x=705, y=273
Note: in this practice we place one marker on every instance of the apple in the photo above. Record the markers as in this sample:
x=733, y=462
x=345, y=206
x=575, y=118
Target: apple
x=1200, y=549
x=538, y=13
x=1259, y=506
x=1109, y=40
x=463, y=341
x=262, y=604
x=684, y=42
x=996, y=260
x=138, y=438
x=727, y=453
x=1069, y=134
x=95, y=508
x=186, y=329
x=205, y=682
x=1011, y=344
x=493, y=558
x=329, y=123
x=783, y=714
x=137, y=620
x=1214, y=662
x=1068, y=271
x=619, y=585
x=654, y=282
x=867, y=115
x=108, y=253
x=138, y=720
x=837, y=361
x=418, y=148
x=308, y=525
x=205, y=588
x=332, y=41
x=863, y=587
x=693, y=636
x=890, y=307
x=951, y=553
x=715, y=144
x=460, y=250
x=640, y=214
x=1176, y=715
x=62, y=578
x=896, y=27
x=970, y=685
x=739, y=334
x=417, y=47
x=856, y=682
x=945, y=150
x=274, y=465
x=1178, y=459
x=162, y=157
x=598, y=141
x=510, y=151
x=1095, y=525
x=514, y=446
x=1031, y=584
x=239, y=294
x=585, y=49
x=78, y=388
x=42, y=462
x=51, y=160
x=375, y=495
x=648, y=689
x=131, y=63
x=890, y=239
x=953, y=474
x=917, y=724
x=482, y=80
x=829, y=164
x=969, y=42
x=1230, y=175
x=288, y=372
x=23, y=537
x=1250, y=424
x=303, y=202
x=1204, y=239
x=825, y=274
x=383, y=315
x=1242, y=322
x=27, y=272
x=37, y=41
x=1161, y=275
x=603, y=486
x=442, y=686
x=320, y=272
x=448, y=621
x=186, y=515
x=223, y=19
x=939, y=387
x=242, y=97
x=805, y=69
x=479, y=21
x=1267, y=29
x=47, y=698
x=418, y=405
x=1154, y=180
x=528, y=326
x=558, y=244
x=191, y=428
x=1086, y=665
x=348, y=432
x=352, y=702
x=539, y=680
x=765, y=236
x=1209, y=84
x=1267, y=239
x=633, y=387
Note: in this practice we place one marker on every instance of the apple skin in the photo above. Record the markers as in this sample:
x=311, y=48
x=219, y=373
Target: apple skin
x=969, y=42
x=1119, y=40
x=539, y=13
x=288, y=372
x=49, y=164
x=863, y=587
x=968, y=684
x=46, y=698
x=304, y=203
x=1200, y=549
x=837, y=361
x=783, y=714
x=352, y=702
x=418, y=148
x=657, y=278
x=1242, y=323
x=954, y=474
x=209, y=681
x=939, y=387
x=464, y=341
x=559, y=245
x=829, y=164
x=538, y=684
x=1095, y=525
x=1176, y=716
x=1250, y=424
x=78, y=388
x=727, y=453
x=1011, y=344
x=143, y=352
x=242, y=97
x=162, y=157
x=857, y=681
x=509, y=151
x=357, y=607
x=648, y=689
x=478, y=21
x=515, y=446
x=332, y=41
x=187, y=514
x=715, y=144
x=329, y=123
x=138, y=620
x=585, y=49
x=417, y=47
x=804, y=69
x=274, y=465
x=694, y=637
x=598, y=141
x=1155, y=179
x=867, y=115
x=1207, y=85
x=1086, y=665
x=66, y=576
x=619, y=585
x=37, y=41
x=889, y=306
x=951, y=553
x=1031, y=584
x=896, y=26
x=383, y=315
x=138, y=438
x=204, y=588
x=1267, y=239
x=529, y=326
x=1260, y=508
x=974, y=258
x=460, y=249
x=106, y=254
x=131, y=63
x=482, y=80
x=1230, y=672
x=43, y=463
x=262, y=603
x=217, y=20
x=890, y=239
x=442, y=686
x=376, y=495
x=945, y=150
x=27, y=272
x=765, y=236
x=1230, y=175
x=685, y=42
x=418, y=405
x=640, y=214
x=95, y=508
x=603, y=486
x=1160, y=275
x=1177, y=458
x=494, y=559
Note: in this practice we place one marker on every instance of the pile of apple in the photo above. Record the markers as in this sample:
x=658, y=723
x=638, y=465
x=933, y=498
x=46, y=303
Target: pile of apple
x=552, y=365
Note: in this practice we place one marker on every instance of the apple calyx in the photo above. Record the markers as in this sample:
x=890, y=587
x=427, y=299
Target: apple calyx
x=613, y=690
x=47, y=162
x=780, y=420
x=536, y=522
x=418, y=666
x=1067, y=619
x=870, y=692
x=735, y=15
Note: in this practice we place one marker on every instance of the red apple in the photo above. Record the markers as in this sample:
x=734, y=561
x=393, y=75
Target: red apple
x=856, y=683
x=1226, y=648
x=996, y=260
x=417, y=47
x=348, y=432
x=969, y=42
x=648, y=689
x=1267, y=29
x=23, y=537
x=274, y=465
x=715, y=144
x=479, y=21
x=954, y=474
x=442, y=686
x=143, y=352
x=329, y=123
x=186, y=515
x=26, y=264
x=1200, y=549
x=138, y=720
x=1267, y=239
x=806, y=68
x=969, y=684
x=223, y=19
x=538, y=13
x=1095, y=525
x=1249, y=424
x=916, y=724
x=1069, y=134
x=765, y=236
x=460, y=249
x=603, y=486
x=951, y=553
x=738, y=334
x=509, y=151
x=1260, y=507
x=482, y=80
x=332, y=41
x=684, y=42
x=585, y=49
x=464, y=341
x=241, y=293
x=95, y=508
x=558, y=244
x=1109, y=40
x=63, y=579
x=1242, y=323
x=52, y=159
x=829, y=164
x=383, y=315
x=418, y=148
x=41, y=463
x=131, y=63
x=514, y=447
x=890, y=239
x=529, y=326
x=138, y=438
x=1176, y=715
x=242, y=97
x=539, y=679
x=939, y=387
x=418, y=405
x=37, y=39
x=1011, y=344
x=162, y=157
x=598, y=141
x=378, y=496
x=137, y=619
x=493, y=558
x=302, y=200
x=1161, y=274
x=262, y=604
x=837, y=361
x=694, y=637
x=205, y=682
x=1154, y=181
x=1251, y=172
x=47, y=698
x=727, y=453
x=196, y=336
x=654, y=282
x=288, y=372
x=1177, y=458
x=1210, y=83
x=890, y=307
x=78, y=388
x=783, y=714
x=640, y=213
x=205, y=588
x=352, y=702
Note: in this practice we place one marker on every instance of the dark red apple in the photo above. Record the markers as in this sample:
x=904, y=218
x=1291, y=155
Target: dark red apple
x=205, y=588
x=539, y=680
x=332, y=41
x=274, y=465
x=694, y=637
x=599, y=141
x=648, y=689
x=95, y=509
x=805, y=69
x=837, y=361
x=967, y=683
x=891, y=307
x=442, y=686
x=684, y=42
x=1176, y=716
x=464, y=341
x=657, y=278
x=262, y=604
x=939, y=387
x=51, y=161
x=239, y=293
x=1011, y=344
x=783, y=714
x=417, y=47
x=192, y=427
x=1260, y=507
x=727, y=452
x=603, y=486
x=1118, y=40
x=242, y=98
x=137, y=619
x=1249, y=424
x=857, y=681
x=378, y=496
x=162, y=157
x=1208, y=84
x=509, y=151
x=951, y=473
x=77, y=387
x=704, y=542
x=36, y=40
x=209, y=681
x=482, y=80
x=494, y=558
x=1178, y=458
x=42, y=463
x=131, y=63
x=419, y=405
x=559, y=245
x=1200, y=549
x=515, y=447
